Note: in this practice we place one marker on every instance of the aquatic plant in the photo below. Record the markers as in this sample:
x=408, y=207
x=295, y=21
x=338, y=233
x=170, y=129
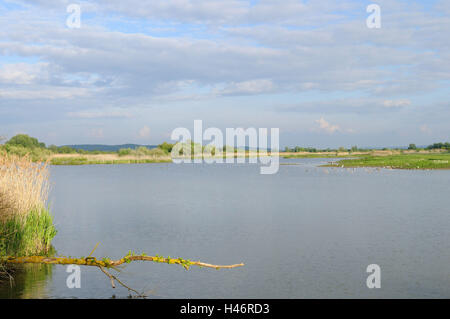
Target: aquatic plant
x=26, y=226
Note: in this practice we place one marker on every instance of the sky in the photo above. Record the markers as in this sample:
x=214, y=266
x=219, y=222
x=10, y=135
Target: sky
x=135, y=70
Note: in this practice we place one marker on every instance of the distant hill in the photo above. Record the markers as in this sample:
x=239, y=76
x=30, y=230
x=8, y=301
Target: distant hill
x=107, y=148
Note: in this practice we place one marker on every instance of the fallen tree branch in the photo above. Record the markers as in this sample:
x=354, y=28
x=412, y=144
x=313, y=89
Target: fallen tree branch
x=108, y=263
x=112, y=278
x=109, y=275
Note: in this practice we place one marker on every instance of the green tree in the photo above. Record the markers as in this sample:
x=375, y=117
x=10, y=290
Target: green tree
x=25, y=141
x=167, y=147
x=412, y=147
x=439, y=146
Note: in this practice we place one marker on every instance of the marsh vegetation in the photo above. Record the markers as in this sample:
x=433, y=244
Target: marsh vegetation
x=26, y=226
x=400, y=161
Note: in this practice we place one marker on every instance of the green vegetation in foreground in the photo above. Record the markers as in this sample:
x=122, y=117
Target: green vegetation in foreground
x=29, y=236
x=401, y=161
x=26, y=226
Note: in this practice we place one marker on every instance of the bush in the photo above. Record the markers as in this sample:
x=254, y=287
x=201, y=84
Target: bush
x=156, y=152
x=143, y=151
x=124, y=151
x=36, y=154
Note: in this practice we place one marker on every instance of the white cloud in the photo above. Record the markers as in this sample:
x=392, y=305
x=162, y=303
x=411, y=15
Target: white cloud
x=396, y=103
x=21, y=73
x=144, y=132
x=229, y=12
x=144, y=54
x=327, y=127
x=45, y=93
x=99, y=114
x=238, y=58
x=247, y=87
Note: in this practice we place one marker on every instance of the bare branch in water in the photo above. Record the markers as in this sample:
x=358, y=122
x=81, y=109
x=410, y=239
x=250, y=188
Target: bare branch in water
x=107, y=263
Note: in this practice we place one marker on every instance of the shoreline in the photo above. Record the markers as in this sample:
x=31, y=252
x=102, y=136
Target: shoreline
x=376, y=159
x=108, y=159
x=410, y=161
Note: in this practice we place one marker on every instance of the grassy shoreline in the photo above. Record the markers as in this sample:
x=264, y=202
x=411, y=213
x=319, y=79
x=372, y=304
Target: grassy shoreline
x=398, y=161
x=86, y=161
x=76, y=159
x=395, y=159
x=322, y=155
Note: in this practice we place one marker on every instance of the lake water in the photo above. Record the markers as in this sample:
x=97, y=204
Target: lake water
x=306, y=232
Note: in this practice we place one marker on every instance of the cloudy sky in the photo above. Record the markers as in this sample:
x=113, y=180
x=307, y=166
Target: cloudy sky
x=135, y=70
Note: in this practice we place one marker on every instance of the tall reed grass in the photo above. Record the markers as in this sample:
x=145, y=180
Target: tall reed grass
x=26, y=226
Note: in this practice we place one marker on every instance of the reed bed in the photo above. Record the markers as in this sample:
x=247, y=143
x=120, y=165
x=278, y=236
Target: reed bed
x=26, y=226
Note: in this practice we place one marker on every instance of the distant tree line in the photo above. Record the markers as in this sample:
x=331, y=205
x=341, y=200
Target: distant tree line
x=299, y=149
x=23, y=144
x=439, y=146
x=435, y=146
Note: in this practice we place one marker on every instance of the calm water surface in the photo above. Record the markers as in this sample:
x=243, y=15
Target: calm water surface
x=306, y=232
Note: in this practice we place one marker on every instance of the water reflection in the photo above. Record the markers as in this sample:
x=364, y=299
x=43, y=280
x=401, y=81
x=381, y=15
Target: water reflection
x=28, y=281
